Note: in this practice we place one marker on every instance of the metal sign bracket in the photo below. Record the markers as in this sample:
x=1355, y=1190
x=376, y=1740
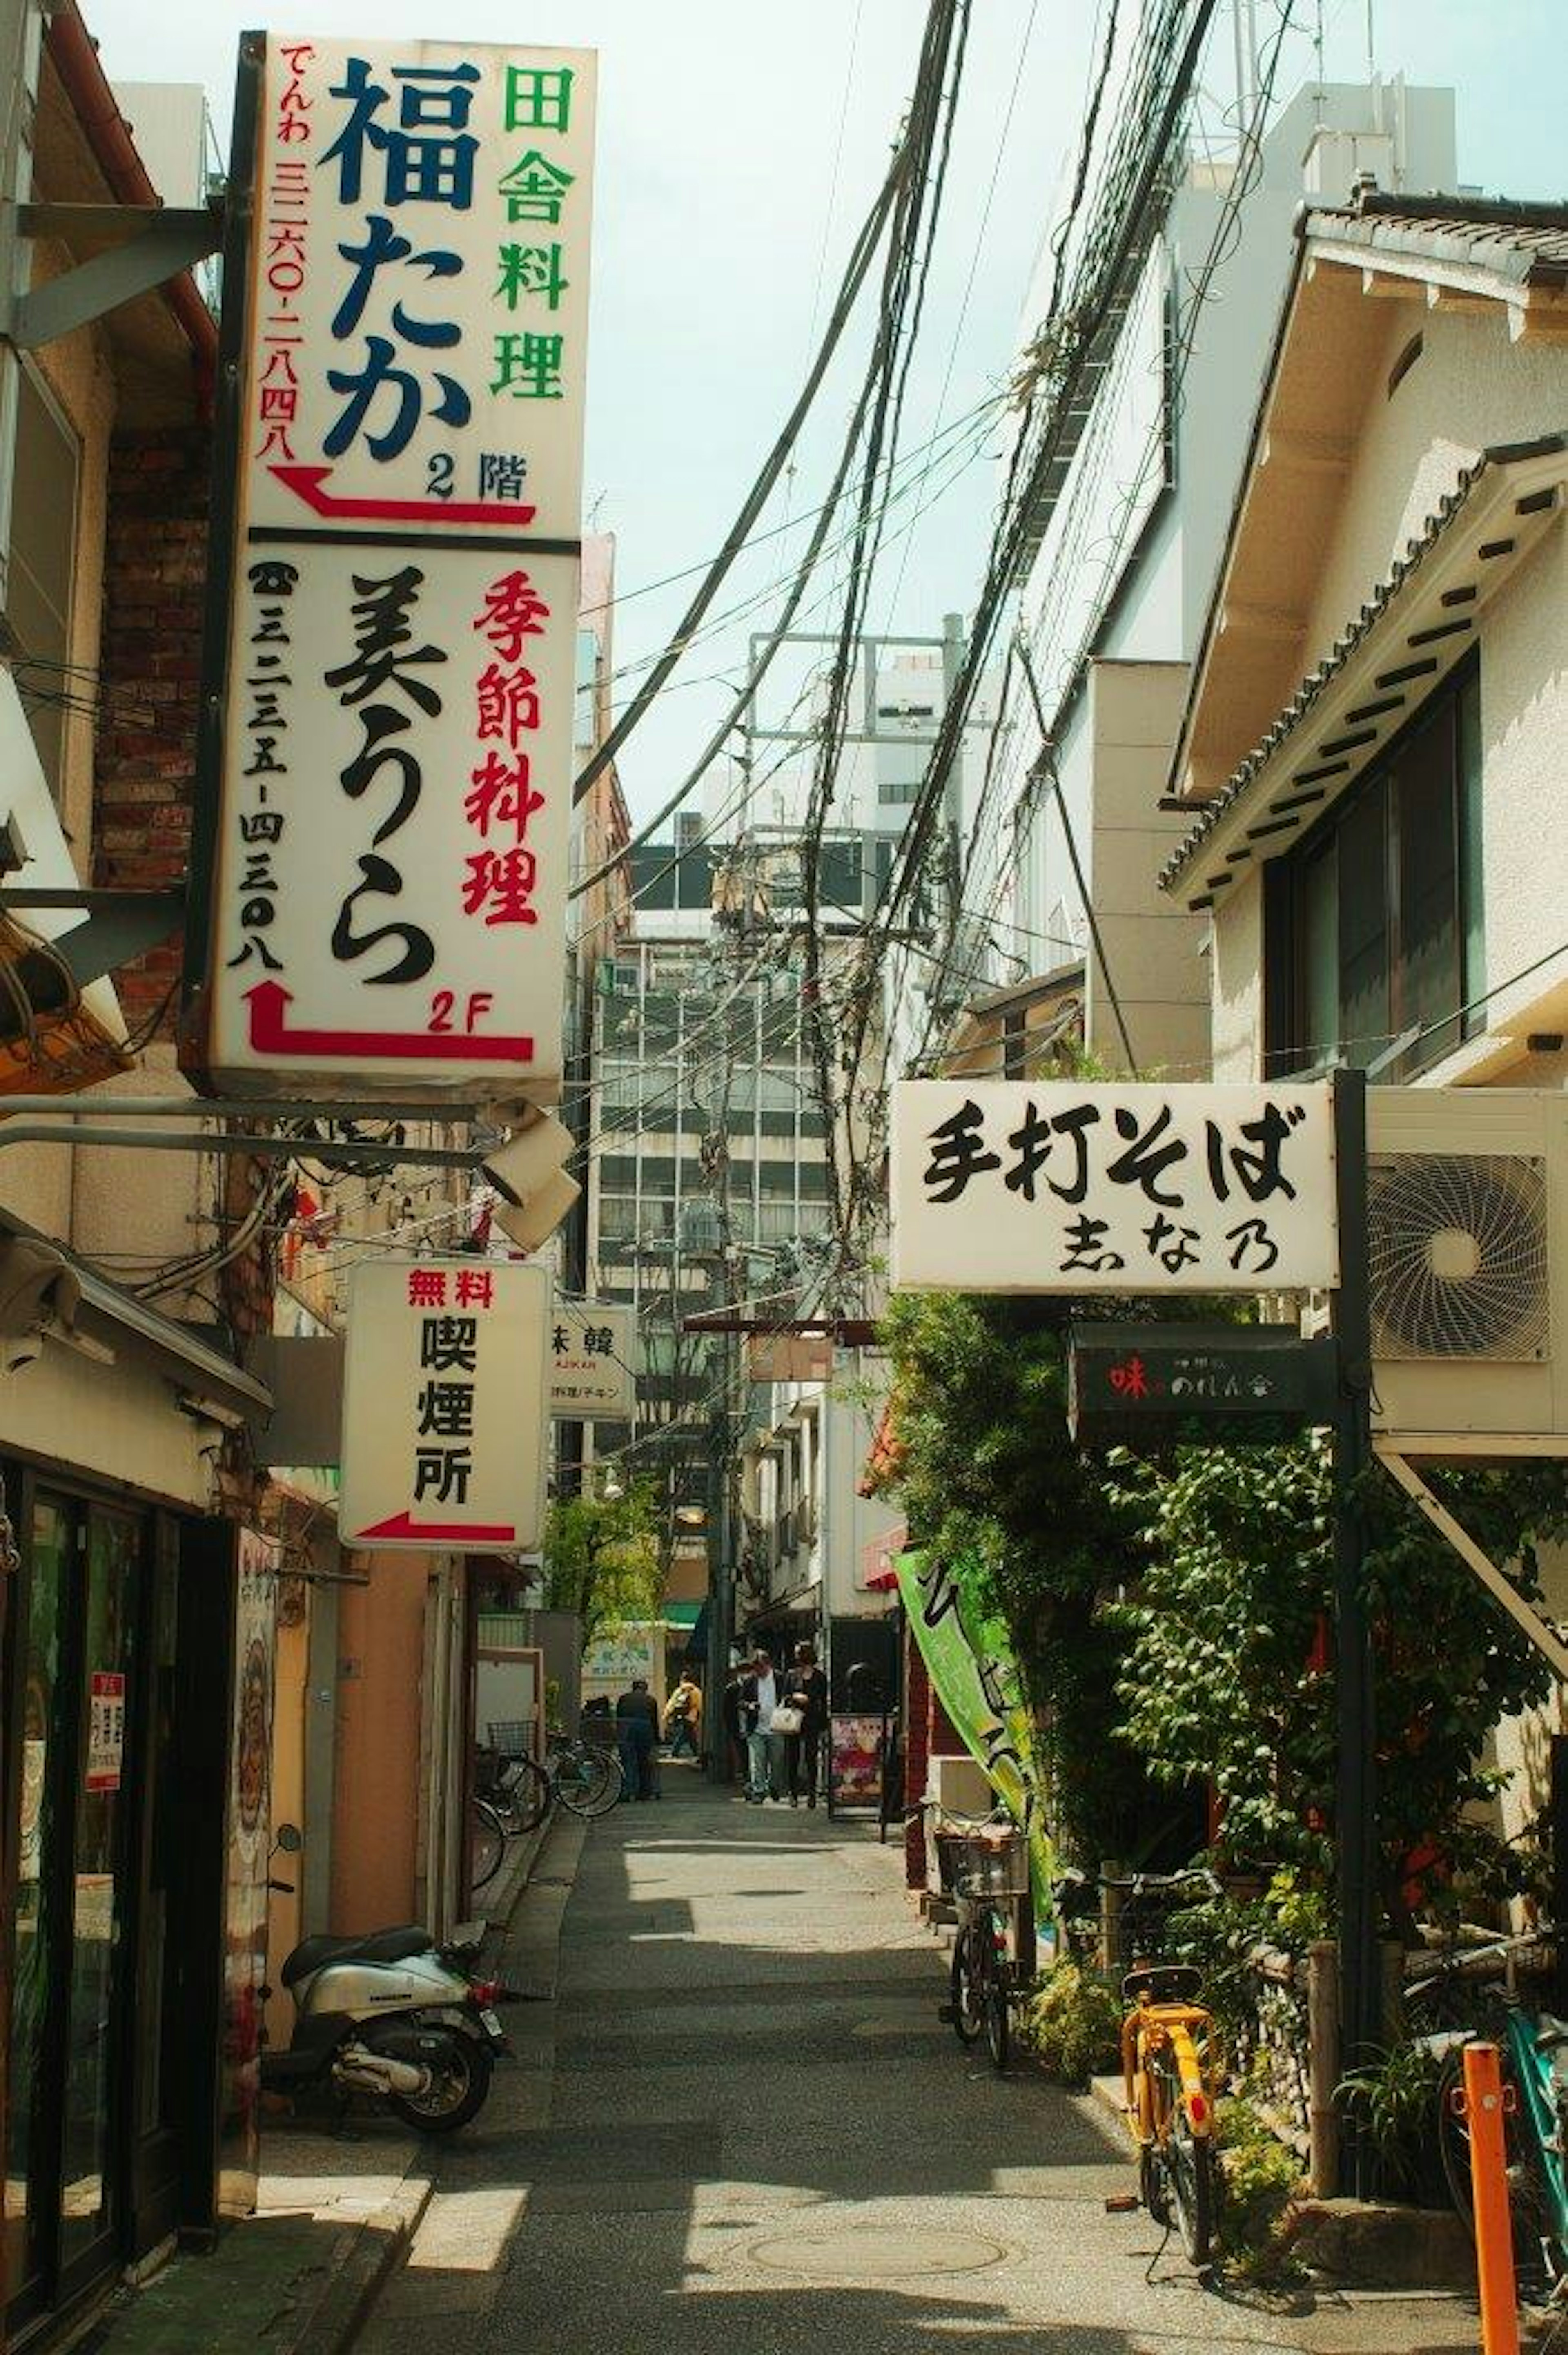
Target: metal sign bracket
x=1499, y=1586
x=144, y=247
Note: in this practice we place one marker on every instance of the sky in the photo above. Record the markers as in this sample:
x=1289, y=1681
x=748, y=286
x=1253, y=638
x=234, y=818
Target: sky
x=738, y=148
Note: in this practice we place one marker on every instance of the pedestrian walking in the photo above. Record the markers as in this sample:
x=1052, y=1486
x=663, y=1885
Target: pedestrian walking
x=636, y=1731
x=683, y=1717
x=807, y=1691
x=760, y=1697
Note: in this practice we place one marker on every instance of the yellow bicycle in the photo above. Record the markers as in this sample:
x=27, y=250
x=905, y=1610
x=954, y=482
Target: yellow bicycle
x=1170, y=2081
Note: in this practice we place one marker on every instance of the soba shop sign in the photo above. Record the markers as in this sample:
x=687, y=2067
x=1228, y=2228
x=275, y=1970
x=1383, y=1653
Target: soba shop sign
x=1050, y=1186
x=388, y=779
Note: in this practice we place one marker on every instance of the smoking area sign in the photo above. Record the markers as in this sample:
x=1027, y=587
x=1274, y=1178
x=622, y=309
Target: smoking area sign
x=444, y=1405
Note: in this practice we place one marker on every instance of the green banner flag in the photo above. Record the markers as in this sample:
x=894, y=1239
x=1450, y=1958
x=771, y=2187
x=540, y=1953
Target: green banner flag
x=970, y=1663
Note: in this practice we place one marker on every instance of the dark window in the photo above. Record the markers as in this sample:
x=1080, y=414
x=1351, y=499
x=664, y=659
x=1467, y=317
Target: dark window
x=1381, y=909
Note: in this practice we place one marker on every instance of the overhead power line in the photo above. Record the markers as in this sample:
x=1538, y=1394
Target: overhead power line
x=861, y=258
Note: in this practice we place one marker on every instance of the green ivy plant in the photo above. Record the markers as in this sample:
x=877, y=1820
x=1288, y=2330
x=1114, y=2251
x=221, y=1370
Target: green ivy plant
x=1228, y=1664
x=992, y=1488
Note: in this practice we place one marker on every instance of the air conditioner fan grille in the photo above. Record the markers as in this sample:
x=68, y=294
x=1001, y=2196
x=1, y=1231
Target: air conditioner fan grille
x=1458, y=1257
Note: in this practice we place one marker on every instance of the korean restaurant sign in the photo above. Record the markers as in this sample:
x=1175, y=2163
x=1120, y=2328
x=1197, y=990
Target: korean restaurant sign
x=591, y=1369
x=392, y=795
x=1035, y=1186
x=444, y=1405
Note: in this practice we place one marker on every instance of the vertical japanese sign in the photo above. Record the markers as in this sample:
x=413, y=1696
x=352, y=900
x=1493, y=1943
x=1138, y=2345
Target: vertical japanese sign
x=1051, y=1186
x=391, y=799
x=591, y=1369
x=106, y=1730
x=444, y=1405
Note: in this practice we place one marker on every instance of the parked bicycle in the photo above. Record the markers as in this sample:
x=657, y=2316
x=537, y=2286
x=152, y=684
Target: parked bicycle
x=1171, y=2080
x=586, y=1779
x=1170, y=2057
x=1477, y=1988
x=513, y=1791
x=990, y=1874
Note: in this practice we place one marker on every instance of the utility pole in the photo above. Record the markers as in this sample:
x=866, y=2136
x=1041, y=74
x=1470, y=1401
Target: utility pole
x=1355, y=1826
x=721, y=1560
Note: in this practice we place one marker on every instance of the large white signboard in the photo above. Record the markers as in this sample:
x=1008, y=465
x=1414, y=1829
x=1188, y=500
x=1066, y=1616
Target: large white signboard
x=388, y=893
x=591, y=1366
x=444, y=1405
x=1049, y=1186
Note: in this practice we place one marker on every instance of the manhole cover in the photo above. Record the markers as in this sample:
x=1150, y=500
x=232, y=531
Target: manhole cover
x=876, y=2253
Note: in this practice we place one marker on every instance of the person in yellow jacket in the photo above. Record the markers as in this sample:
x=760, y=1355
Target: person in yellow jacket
x=683, y=1716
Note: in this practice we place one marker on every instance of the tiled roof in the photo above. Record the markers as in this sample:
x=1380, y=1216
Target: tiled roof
x=1527, y=244
x=1312, y=687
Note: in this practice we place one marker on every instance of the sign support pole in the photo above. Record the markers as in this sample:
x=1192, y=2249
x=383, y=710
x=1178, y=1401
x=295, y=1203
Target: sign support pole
x=1356, y=1791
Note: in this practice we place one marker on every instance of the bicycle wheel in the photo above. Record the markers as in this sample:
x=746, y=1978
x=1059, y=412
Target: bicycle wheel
x=487, y=1844
x=966, y=2007
x=1539, y=2255
x=526, y=1794
x=1190, y=2167
x=997, y=2007
x=588, y=1781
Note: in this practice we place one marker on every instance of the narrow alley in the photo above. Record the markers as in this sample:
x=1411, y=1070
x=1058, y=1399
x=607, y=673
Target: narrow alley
x=743, y=2127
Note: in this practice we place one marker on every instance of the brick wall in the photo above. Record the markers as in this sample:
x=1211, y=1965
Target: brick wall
x=155, y=583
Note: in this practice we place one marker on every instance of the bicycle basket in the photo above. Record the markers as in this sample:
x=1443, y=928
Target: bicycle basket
x=510, y=1737
x=991, y=1865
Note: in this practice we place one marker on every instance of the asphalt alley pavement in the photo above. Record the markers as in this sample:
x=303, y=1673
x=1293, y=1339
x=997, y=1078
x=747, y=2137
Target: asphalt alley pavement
x=741, y=2129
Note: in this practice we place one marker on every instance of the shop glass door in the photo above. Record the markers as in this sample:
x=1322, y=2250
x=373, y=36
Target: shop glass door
x=89, y=2183
x=71, y=1678
x=41, y=1699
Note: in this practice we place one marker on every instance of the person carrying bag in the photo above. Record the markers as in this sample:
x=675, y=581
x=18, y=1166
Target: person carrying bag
x=806, y=1706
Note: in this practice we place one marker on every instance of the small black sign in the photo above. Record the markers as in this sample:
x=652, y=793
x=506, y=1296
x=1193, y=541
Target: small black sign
x=1125, y=1382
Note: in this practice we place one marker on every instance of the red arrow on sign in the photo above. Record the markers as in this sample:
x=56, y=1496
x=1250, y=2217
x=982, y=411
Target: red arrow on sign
x=307, y=482
x=271, y=1035
x=404, y=1525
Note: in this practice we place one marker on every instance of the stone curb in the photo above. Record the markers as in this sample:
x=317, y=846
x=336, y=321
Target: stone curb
x=372, y=2249
x=495, y=1906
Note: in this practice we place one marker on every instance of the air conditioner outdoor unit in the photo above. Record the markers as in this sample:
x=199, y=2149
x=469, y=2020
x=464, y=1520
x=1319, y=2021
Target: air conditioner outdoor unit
x=1467, y=1230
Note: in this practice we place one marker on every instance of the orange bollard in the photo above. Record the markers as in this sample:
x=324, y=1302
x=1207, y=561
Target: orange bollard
x=1488, y=2183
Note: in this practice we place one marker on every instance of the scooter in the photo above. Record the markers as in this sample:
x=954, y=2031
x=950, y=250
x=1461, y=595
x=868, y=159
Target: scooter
x=391, y=2014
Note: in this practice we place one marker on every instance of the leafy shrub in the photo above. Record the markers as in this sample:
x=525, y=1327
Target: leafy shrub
x=1220, y=1933
x=1261, y=2178
x=1392, y=2100
x=1074, y=2025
